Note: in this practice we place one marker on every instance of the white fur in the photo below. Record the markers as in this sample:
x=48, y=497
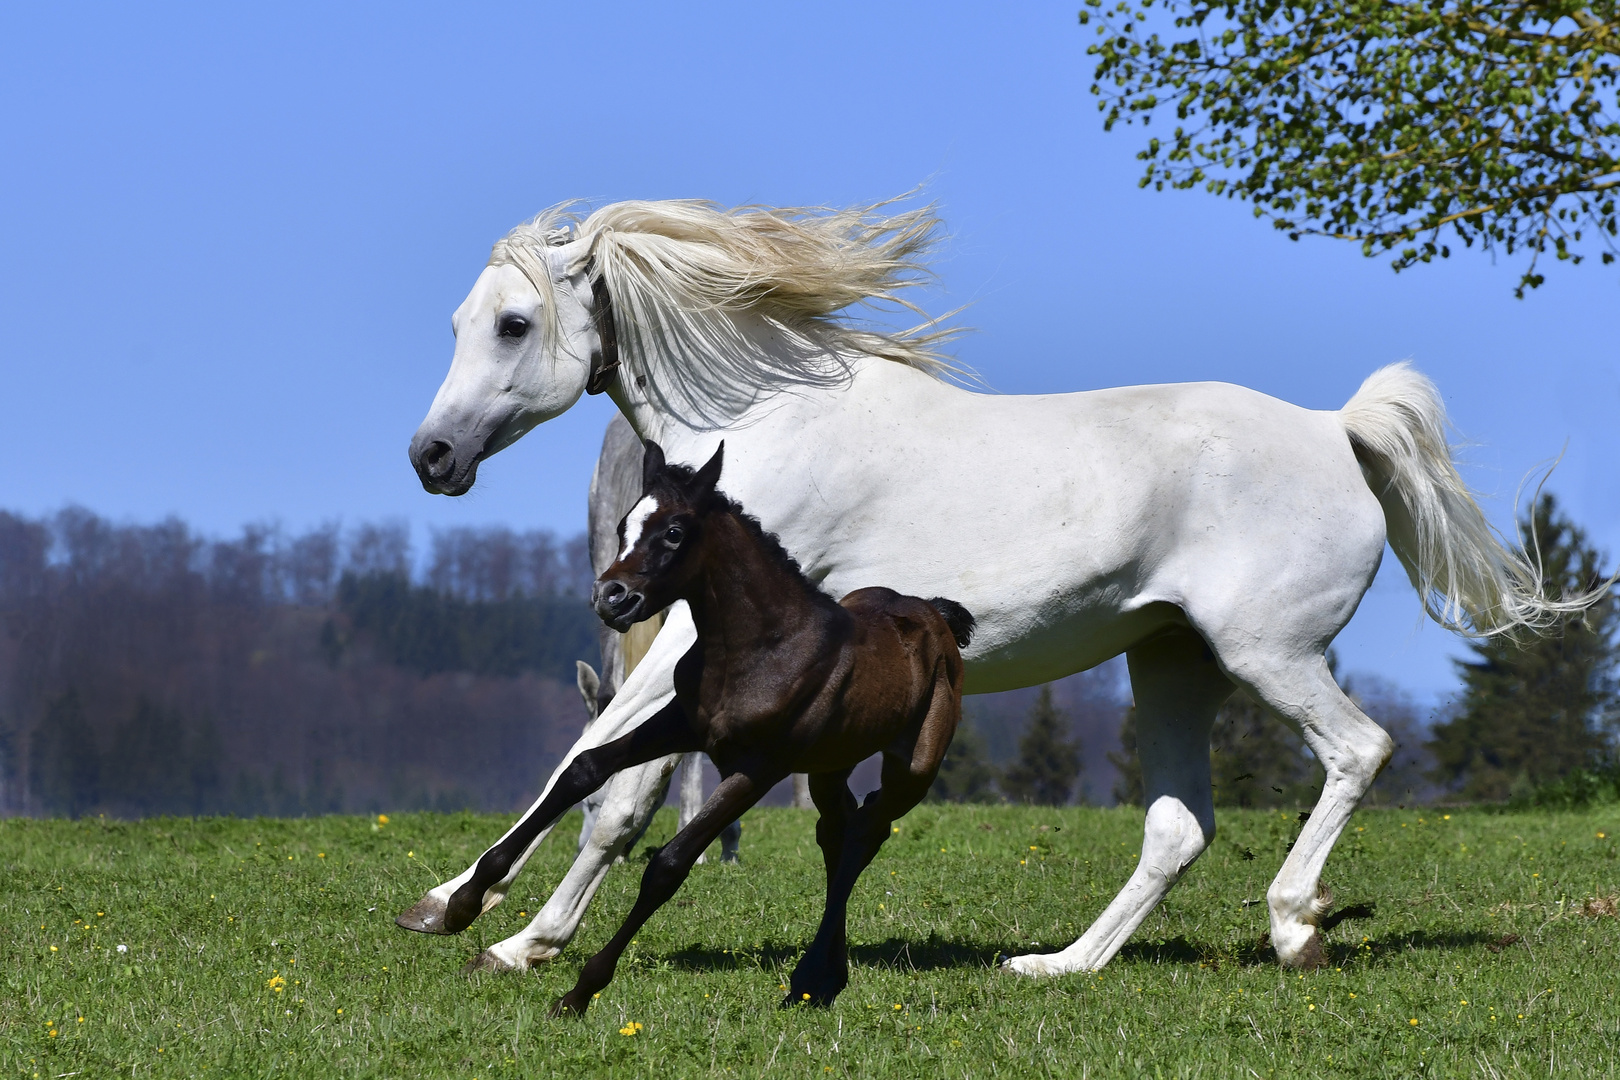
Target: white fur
x=635, y=521
x=1217, y=535
x=1468, y=580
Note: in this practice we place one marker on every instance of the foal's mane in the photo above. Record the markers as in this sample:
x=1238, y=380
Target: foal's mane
x=681, y=477
x=744, y=301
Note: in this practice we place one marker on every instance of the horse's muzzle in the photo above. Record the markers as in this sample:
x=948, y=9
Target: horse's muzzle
x=617, y=605
x=441, y=470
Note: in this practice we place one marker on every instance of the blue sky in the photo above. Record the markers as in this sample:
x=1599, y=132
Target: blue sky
x=231, y=240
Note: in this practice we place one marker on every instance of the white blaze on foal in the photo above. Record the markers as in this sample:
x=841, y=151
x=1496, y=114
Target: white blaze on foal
x=636, y=522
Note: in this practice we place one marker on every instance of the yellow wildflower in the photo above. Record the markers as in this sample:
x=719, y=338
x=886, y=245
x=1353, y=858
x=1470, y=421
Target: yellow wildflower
x=276, y=983
x=632, y=1028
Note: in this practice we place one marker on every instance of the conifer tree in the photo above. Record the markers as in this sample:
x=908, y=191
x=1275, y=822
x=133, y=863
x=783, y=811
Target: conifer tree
x=1048, y=762
x=1257, y=760
x=966, y=775
x=1537, y=708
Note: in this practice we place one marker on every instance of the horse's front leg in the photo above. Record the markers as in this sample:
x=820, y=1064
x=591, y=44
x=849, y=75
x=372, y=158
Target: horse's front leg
x=629, y=801
x=665, y=873
x=648, y=690
x=692, y=802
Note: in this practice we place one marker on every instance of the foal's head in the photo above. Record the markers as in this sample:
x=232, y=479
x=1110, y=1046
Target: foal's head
x=659, y=540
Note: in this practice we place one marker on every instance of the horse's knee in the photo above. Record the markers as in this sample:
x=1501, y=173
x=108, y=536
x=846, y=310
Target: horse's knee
x=1353, y=763
x=1174, y=836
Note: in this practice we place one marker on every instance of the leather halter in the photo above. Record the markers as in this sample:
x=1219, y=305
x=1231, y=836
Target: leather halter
x=605, y=358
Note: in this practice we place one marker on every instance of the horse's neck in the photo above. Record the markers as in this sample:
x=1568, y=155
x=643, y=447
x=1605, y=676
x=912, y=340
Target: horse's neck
x=635, y=393
x=746, y=597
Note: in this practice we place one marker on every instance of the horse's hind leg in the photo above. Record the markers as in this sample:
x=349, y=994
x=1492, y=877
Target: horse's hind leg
x=850, y=837
x=1351, y=748
x=1178, y=689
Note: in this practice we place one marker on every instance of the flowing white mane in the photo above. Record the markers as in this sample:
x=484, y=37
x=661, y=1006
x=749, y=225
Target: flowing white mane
x=745, y=301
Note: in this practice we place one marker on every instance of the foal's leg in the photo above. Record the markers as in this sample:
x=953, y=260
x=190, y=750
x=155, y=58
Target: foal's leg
x=631, y=795
x=647, y=690
x=823, y=971
x=692, y=802
x=835, y=803
x=664, y=734
x=665, y=873
x=1178, y=689
x=1352, y=750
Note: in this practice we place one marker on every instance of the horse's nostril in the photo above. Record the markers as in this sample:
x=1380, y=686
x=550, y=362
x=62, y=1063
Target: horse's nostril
x=439, y=458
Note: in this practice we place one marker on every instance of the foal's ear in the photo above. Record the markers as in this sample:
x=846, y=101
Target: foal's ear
x=652, y=463
x=708, y=476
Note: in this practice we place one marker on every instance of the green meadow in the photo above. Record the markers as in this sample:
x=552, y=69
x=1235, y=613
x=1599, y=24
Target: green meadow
x=1466, y=943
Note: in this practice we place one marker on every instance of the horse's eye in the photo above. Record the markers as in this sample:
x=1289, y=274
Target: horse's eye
x=512, y=326
x=674, y=535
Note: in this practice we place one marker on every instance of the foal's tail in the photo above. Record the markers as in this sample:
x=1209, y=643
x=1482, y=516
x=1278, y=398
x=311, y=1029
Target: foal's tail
x=1469, y=580
x=957, y=618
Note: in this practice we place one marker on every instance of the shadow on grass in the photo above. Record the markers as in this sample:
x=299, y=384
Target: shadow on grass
x=901, y=954
x=936, y=953
x=1259, y=953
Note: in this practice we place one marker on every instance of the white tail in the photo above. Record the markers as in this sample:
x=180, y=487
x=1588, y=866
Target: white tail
x=1468, y=579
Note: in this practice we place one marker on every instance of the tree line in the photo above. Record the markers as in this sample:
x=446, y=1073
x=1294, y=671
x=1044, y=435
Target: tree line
x=147, y=669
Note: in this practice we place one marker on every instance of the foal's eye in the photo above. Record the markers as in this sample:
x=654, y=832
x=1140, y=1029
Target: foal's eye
x=674, y=535
x=512, y=326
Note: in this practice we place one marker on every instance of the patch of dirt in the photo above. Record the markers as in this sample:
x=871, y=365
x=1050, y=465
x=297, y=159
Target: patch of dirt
x=1600, y=907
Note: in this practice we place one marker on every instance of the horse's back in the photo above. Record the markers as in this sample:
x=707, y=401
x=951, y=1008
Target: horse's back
x=920, y=631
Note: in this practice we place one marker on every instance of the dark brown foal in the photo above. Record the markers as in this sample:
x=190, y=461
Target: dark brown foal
x=782, y=679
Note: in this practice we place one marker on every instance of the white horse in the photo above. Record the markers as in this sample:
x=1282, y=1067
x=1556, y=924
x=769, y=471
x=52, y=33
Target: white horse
x=1216, y=536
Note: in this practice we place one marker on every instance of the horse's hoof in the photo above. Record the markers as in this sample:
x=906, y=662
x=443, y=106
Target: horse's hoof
x=1030, y=965
x=809, y=1000
x=569, y=1005
x=487, y=961
x=426, y=916
x=1308, y=957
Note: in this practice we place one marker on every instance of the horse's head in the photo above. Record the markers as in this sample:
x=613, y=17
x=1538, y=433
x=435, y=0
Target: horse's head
x=516, y=363
x=660, y=540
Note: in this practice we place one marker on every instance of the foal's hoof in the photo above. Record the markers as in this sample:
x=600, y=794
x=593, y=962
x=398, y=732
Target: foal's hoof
x=426, y=916
x=808, y=1000
x=570, y=1004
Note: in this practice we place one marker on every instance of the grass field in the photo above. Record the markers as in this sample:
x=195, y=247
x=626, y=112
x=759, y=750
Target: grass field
x=267, y=948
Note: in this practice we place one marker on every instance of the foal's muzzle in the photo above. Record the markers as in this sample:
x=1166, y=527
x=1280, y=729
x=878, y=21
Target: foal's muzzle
x=616, y=605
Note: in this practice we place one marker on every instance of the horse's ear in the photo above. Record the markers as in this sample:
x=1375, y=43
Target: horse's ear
x=589, y=683
x=709, y=476
x=652, y=463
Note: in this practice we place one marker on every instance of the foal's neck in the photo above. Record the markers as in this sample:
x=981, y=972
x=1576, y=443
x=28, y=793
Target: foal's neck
x=750, y=594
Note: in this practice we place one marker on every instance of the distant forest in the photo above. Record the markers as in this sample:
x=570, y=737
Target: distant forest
x=145, y=669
